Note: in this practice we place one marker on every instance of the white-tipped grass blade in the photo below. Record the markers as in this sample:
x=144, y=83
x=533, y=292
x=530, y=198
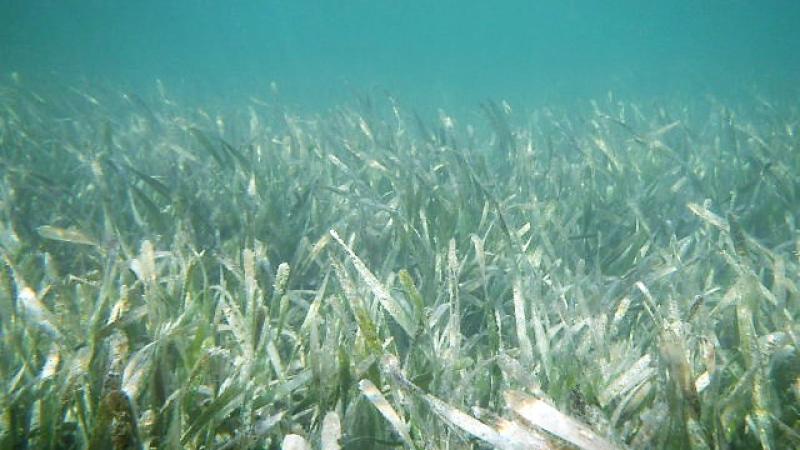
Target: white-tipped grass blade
x=374, y=395
x=295, y=442
x=331, y=432
x=538, y=413
x=392, y=305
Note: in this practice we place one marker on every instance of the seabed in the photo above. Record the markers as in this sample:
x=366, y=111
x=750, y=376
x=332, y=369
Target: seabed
x=614, y=275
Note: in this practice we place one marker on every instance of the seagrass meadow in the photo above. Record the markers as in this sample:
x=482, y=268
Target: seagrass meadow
x=618, y=274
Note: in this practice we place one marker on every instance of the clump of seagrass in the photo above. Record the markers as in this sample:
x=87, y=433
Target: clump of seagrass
x=614, y=275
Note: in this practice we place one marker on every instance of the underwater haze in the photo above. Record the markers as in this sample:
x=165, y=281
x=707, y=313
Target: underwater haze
x=444, y=53
x=384, y=225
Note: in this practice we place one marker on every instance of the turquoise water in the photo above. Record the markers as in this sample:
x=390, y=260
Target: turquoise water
x=217, y=232
x=427, y=53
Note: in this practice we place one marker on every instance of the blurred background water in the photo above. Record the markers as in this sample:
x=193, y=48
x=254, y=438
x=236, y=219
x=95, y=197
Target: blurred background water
x=434, y=53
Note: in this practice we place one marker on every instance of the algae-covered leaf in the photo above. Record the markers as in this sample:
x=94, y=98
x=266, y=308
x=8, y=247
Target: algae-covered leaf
x=267, y=424
x=374, y=395
x=217, y=410
x=521, y=437
x=366, y=325
x=467, y=423
x=51, y=364
x=542, y=339
x=538, y=413
x=738, y=237
x=144, y=266
x=454, y=321
x=70, y=235
x=36, y=314
x=331, y=432
x=664, y=129
x=709, y=217
x=391, y=304
x=137, y=370
x=295, y=442
x=451, y=415
x=636, y=374
x=525, y=347
x=605, y=148
x=413, y=294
